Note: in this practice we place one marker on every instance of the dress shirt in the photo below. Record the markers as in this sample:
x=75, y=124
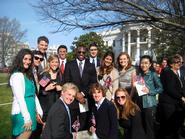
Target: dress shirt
x=95, y=60
x=65, y=60
x=83, y=63
x=98, y=104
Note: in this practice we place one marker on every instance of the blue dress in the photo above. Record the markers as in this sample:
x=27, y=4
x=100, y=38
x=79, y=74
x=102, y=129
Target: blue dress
x=17, y=119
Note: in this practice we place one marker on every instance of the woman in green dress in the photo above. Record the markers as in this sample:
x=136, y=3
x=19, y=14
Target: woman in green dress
x=25, y=104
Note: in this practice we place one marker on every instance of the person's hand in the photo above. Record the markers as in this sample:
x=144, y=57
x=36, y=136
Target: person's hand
x=27, y=126
x=145, y=89
x=51, y=86
x=39, y=119
x=58, y=87
x=183, y=100
x=92, y=129
x=80, y=98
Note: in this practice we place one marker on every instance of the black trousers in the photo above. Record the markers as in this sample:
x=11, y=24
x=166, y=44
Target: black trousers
x=149, y=119
x=171, y=117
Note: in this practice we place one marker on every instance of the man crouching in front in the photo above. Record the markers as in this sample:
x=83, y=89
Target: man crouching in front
x=58, y=124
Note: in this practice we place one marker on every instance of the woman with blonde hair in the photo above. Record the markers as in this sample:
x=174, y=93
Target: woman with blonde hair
x=129, y=115
x=50, y=85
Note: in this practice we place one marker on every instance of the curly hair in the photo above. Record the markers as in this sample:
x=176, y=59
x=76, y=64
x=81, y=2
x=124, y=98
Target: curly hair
x=17, y=65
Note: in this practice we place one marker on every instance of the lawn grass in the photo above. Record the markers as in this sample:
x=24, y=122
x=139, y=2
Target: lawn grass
x=5, y=110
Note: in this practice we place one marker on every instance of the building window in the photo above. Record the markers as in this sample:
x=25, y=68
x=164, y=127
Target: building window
x=114, y=43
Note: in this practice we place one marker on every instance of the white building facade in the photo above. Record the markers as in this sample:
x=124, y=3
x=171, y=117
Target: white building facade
x=135, y=39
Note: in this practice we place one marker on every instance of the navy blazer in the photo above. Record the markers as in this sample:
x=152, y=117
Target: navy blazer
x=57, y=124
x=106, y=120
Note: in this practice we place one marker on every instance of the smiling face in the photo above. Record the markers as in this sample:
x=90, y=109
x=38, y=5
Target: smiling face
x=123, y=60
x=108, y=60
x=27, y=61
x=69, y=95
x=93, y=51
x=62, y=52
x=37, y=60
x=81, y=53
x=54, y=64
x=120, y=97
x=145, y=65
x=43, y=46
x=97, y=95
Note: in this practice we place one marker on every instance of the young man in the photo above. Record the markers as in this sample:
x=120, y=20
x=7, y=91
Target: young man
x=58, y=124
x=93, y=54
x=62, y=54
x=42, y=45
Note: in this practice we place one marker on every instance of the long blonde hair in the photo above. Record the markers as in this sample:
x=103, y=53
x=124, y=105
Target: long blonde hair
x=51, y=57
x=129, y=108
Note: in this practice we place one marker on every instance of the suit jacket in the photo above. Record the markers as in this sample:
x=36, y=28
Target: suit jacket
x=173, y=89
x=106, y=120
x=57, y=124
x=98, y=61
x=72, y=74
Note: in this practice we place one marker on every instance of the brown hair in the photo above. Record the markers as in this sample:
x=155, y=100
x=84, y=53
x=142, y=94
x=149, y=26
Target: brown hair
x=104, y=69
x=129, y=108
x=97, y=86
x=129, y=61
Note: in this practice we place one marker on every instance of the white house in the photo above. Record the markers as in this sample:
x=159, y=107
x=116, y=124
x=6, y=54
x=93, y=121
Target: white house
x=135, y=39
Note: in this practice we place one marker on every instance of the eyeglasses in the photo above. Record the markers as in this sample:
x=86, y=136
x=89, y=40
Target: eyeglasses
x=81, y=52
x=177, y=62
x=120, y=97
x=37, y=58
x=93, y=49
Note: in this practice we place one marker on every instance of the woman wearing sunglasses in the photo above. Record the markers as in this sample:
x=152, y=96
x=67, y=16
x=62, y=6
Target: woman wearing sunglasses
x=129, y=115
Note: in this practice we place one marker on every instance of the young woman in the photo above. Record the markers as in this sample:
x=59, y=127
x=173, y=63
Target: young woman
x=150, y=87
x=25, y=104
x=126, y=71
x=108, y=75
x=50, y=85
x=104, y=123
x=129, y=115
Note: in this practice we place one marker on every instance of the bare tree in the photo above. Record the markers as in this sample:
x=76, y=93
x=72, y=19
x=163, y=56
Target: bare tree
x=10, y=36
x=90, y=14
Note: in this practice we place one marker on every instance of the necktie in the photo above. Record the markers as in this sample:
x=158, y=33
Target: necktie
x=93, y=62
x=36, y=79
x=80, y=68
x=62, y=67
x=69, y=118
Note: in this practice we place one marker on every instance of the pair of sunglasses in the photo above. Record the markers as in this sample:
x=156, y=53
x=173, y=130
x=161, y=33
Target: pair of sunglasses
x=37, y=58
x=120, y=97
x=83, y=52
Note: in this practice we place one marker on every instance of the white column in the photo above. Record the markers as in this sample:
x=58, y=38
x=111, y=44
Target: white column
x=138, y=45
x=149, y=41
x=129, y=40
x=123, y=42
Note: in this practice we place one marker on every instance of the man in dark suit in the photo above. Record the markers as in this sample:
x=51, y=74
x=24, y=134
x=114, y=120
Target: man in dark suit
x=82, y=73
x=58, y=124
x=93, y=48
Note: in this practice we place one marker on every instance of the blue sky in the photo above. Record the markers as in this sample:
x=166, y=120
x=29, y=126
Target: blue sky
x=29, y=20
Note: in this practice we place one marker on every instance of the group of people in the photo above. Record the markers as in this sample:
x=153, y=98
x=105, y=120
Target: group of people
x=90, y=97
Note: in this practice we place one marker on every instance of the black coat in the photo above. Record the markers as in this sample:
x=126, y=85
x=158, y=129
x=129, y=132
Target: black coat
x=57, y=124
x=133, y=128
